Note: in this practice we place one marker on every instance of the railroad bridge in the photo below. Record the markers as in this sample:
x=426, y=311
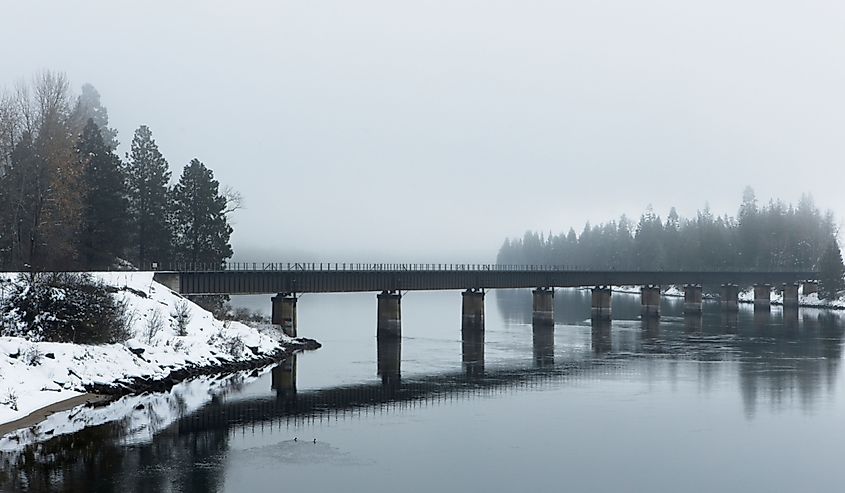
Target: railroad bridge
x=285, y=281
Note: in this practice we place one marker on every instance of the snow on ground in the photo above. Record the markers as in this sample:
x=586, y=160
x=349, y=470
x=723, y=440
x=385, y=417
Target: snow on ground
x=142, y=416
x=44, y=373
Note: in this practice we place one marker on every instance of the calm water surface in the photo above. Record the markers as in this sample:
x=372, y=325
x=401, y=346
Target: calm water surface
x=751, y=402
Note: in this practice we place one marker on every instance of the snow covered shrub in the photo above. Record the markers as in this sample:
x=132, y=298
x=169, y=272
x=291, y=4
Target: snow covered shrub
x=182, y=316
x=180, y=346
x=233, y=345
x=10, y=399
x=153, y=326
x=63, y=307
x=33, y=356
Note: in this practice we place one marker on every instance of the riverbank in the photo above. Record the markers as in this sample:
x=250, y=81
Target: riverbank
x=162, y=351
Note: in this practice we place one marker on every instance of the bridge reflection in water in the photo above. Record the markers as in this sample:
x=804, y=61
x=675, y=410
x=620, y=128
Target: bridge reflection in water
x=774, y=355
x=766, y=345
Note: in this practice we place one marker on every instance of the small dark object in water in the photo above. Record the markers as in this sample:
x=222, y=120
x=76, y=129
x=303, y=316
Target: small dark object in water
x=294, y=439
x=50, y=355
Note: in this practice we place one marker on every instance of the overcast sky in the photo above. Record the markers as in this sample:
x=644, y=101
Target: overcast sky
x=431, y=130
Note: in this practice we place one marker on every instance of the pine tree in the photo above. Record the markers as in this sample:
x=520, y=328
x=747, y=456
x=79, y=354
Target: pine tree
x=831, y=272
x=202, y=229
x=148, y=176
x=87, y=107
x=102, y=238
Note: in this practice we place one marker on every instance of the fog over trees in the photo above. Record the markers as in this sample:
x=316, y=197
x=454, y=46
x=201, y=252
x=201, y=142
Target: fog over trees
x=69, y=202
x=771, y=236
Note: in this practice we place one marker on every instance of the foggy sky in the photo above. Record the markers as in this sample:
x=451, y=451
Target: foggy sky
x=430, y=130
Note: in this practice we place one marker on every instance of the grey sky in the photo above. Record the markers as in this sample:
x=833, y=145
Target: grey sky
x=430, y=130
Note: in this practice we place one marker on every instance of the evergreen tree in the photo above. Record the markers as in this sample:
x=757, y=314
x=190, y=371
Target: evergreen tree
x=88, y=107
x=831, y=272
x=148, y=176
x=201, y=227
x=102, y=238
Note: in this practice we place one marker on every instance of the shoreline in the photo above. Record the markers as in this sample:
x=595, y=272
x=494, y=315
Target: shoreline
x=102, y=394
x=635, y=291
x=40, y=415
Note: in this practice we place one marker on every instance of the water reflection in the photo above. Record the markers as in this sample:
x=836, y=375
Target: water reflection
x=774, y=358
x=600, y=339
x=389, y=357
x=284, y=378
x=544, y=345
x=693, y=323
x=472, y=351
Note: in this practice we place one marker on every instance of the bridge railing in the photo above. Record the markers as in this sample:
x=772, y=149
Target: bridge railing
x=394, y=267
x=352, y=267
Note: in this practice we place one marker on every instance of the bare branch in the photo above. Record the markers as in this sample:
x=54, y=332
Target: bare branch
x=234, y=200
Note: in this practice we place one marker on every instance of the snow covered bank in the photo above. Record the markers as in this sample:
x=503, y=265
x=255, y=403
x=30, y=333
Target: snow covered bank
x=37, y=374
x=142, y=416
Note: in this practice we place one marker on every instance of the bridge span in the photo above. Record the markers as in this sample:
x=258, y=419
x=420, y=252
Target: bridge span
x=288, y=280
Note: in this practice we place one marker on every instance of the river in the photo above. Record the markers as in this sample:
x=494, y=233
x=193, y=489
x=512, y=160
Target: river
x=751, y=402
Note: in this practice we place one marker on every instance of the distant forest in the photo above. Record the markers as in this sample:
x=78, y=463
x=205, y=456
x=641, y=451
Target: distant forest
x=68, y=201
x=771, y=236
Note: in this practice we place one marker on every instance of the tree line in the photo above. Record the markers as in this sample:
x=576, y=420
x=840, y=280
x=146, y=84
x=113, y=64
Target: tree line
x=70, y=202
x=775, y=236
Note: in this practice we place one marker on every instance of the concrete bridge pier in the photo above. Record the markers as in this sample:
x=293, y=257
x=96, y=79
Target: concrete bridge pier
x=283, y=377
x=790, y=296
x=284, y=313
x=762, y=297
x=389, y=315
x=389, y=358
x=650, y=301
x=601, y=303
x=692, y=299
x=543, y=313
x=809, y=287
x=730, y=297
x=472, y=309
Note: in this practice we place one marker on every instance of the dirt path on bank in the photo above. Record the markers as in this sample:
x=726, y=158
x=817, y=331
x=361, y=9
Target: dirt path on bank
x=40, y=415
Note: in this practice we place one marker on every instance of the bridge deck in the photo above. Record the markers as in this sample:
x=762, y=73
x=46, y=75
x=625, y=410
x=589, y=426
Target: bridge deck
x=327, y=280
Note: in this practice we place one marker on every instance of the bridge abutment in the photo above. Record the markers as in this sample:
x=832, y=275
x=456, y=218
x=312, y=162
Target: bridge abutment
x=692, y=299
x=809, y=287
x=389, y=315
x=472, y=309
x=730, y=297
x=601, y=303
x=762, y=296
x=790, y=296
x=284, y=313
x=543, y=307
x=650, y=301
x=172, y=280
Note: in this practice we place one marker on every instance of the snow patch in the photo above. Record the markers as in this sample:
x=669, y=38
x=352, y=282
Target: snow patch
x=37, y=374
